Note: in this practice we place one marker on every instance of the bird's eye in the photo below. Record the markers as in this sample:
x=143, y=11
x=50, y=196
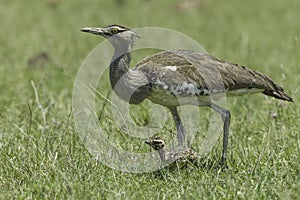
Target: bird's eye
x=114, y=31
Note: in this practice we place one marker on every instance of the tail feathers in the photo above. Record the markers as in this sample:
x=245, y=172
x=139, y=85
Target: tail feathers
x=279, y=94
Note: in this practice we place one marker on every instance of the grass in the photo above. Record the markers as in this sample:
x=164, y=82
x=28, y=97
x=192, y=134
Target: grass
x=42, y=156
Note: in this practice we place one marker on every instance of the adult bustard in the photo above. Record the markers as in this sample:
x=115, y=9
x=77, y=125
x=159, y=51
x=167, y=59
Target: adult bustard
x=172, y=78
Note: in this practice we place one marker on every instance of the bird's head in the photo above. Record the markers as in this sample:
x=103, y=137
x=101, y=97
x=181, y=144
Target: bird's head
x=118, y=35
x=156, y=143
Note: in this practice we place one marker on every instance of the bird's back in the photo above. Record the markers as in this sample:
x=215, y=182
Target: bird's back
x=188, y=73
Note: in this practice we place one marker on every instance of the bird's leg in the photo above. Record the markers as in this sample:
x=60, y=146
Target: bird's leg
x=179, y=126
x=226, y=119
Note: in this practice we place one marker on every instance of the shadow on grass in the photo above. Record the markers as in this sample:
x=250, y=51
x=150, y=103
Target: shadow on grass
x=211, y=165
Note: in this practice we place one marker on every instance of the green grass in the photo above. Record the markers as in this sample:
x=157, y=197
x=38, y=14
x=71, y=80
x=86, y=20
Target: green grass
x=45, y=158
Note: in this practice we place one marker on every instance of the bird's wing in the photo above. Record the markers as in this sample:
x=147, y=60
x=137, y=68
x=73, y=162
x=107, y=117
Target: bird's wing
x=187, y=72
x=172, y=72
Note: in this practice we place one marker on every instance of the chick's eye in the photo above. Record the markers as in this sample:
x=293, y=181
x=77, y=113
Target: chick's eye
x=114, y=31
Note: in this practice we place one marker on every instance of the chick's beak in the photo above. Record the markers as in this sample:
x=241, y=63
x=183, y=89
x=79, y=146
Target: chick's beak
x=147, y=142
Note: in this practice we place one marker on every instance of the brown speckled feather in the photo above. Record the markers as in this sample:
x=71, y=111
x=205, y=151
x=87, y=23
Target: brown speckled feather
x=208, y=74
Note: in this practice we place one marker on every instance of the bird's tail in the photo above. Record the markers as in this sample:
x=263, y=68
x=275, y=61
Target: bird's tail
x=279, y=94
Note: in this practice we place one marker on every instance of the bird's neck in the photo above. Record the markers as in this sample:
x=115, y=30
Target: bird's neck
x=129, y=85
x=119, y=64
x=162, y=154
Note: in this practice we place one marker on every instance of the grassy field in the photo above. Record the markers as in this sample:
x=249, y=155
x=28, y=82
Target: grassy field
x=41, y=154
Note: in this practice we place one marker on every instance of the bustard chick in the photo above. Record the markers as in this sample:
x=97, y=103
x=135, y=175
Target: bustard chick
x=170, y=76
x=180, y=155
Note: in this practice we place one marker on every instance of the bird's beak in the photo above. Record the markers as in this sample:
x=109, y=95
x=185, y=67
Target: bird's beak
x=96, y=31
x=147, y=142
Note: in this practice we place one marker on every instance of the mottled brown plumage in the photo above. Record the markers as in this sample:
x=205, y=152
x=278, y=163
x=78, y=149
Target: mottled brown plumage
x=178, y=77
x=207, y=73
x=179, y=155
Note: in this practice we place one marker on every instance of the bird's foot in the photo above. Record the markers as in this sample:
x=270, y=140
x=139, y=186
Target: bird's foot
x=223, y=164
